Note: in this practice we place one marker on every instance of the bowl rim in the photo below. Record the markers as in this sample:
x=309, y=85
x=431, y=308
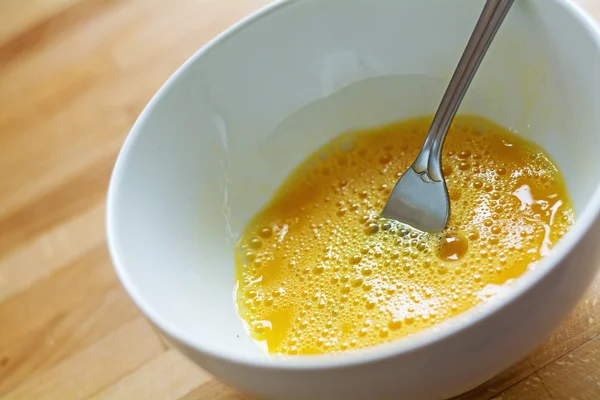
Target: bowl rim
x=427, y=337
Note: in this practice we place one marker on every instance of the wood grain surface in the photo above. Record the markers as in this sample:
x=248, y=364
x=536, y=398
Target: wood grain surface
x=74, y=74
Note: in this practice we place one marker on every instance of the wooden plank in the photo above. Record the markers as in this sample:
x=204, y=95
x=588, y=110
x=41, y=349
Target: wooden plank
x=214, y=390
x=576, y=375
x=167, y=377
x=500, y=382
x=87, y=277
x=50, y=252
x=23, y=15
x=94, y=368
x=60, y=204
x=65, y=335
x=581, y=325
x=531, y=388
x=86, y=80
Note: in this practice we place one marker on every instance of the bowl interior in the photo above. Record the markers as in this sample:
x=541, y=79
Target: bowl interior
x=224, y=132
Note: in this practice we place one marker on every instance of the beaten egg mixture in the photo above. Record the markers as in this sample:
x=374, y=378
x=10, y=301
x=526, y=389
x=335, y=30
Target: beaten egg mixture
x=318, y=270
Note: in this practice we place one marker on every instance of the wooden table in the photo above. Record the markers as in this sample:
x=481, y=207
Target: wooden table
x=74, y=74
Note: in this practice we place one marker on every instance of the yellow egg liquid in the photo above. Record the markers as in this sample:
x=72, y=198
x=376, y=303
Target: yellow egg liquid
x=318, y=271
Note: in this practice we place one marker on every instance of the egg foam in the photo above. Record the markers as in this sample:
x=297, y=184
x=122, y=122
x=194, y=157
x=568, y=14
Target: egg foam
x=319, y=271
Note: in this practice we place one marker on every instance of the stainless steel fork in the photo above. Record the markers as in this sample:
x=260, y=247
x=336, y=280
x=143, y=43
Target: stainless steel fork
x=420, y=198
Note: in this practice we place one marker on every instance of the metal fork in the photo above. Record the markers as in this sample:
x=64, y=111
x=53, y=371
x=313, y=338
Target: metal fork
x=420, y=198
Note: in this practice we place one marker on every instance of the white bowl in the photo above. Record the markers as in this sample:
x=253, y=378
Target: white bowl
x=224, y=131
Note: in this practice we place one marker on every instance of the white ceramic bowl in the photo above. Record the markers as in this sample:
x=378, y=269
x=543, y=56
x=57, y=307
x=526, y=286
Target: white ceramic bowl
x=224, y=131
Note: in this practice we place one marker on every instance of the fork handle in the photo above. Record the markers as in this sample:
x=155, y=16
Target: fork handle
x=430, y=158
